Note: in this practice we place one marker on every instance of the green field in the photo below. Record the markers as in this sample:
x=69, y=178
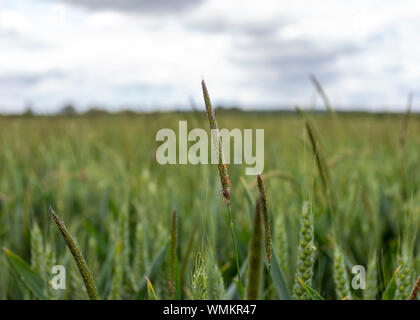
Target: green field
x=100, y=176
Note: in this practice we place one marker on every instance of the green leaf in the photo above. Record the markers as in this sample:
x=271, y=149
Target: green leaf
x=389, y=292
x=312, y=293
x=153, y=271
x=29, y=277
x=279, y=279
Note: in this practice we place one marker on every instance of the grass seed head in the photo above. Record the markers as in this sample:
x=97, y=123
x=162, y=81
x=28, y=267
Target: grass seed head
x=223, y=173
x=266, y=219
x=78, y=258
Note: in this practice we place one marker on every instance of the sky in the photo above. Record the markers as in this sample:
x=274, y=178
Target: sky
x=152, y=55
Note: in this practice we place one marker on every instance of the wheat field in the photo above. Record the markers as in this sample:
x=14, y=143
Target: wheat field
x=340, y=190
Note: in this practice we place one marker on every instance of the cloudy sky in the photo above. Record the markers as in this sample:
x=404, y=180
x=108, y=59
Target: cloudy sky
x=152, y=54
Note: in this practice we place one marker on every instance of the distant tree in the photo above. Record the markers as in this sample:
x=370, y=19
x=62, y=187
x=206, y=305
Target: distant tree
x=28, y=111
x=127, y=112
x=68, y=110
x=95, y=111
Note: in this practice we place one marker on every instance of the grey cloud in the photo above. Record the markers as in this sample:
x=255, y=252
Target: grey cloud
x=138, y=6
x=246, y=28
x=16, y=39
x=286, y=64
x=27, y=79
x=143, y=87
x=273, y=63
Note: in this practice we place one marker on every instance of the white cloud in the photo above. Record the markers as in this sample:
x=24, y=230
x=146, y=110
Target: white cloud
x=254, y=55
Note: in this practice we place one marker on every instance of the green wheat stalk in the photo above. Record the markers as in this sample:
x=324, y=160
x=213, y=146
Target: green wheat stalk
x=37, y=249
x=305, y=253
x=404, y=276
x=341, y=280
x=199, y=281
x=215, y=285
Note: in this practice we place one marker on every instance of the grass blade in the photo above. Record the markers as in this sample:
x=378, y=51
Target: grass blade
x=151, y=293
x=279, y=280
x=391, y=289
x=311, y=292
x=29, y=277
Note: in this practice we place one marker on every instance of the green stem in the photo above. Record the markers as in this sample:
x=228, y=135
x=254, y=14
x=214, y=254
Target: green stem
x=238, y=270
x=270, y=282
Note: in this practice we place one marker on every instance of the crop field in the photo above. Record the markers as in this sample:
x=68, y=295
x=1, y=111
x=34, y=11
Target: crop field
x=337, y=191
